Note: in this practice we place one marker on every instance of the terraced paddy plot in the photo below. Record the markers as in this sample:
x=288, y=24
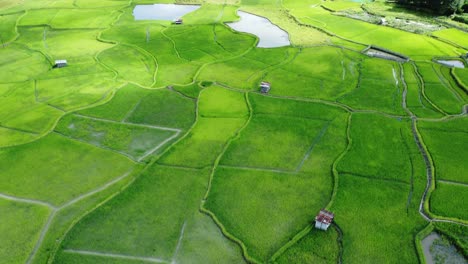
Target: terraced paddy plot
x=134, y=141
x=442, y=202
x=265, y=209
x=315, y=247
x=69, y=18
x=274, y=142
x=59, y=168
x=21, y=226
x=247, y=71
x=162, y=11
x=19, y=109
x=319, y=72
x=155, y=145
x=204, y=143
x=365, y=157
x=167, y=230
x=270, y=35
x=446, y=142
x=367, y=223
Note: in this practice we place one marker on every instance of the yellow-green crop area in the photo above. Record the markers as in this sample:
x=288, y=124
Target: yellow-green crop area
x=155, y=144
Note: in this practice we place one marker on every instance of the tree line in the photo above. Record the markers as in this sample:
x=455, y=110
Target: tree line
x=444, y=7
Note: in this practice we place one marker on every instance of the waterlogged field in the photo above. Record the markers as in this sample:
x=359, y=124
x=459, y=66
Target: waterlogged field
x=155, y=145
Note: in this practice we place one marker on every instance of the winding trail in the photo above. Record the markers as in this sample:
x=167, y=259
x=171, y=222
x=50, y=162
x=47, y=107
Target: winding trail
x=26, y=200
x=115, y=256
x=127, y=123
x=454, y=183
x=179, y=243
x=55, y=210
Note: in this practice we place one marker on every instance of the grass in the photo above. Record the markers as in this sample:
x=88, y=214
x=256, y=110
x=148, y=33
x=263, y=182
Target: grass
x=445, y=142
x=442, y=202
x=330, y=75
x=453, y=35
x=132, y=140
x=204, y=142
x=251, y=168
x=247, y=71
x=415, y=99
x=164, y=108
x=21, y=111
x=131, y=64
x=18, y=64
x=77, y=169
x=378, y=89
x=315, y=247
x=413, y=45
x=365, y=223
x=216, y=101
x=69, y=18
x=366, y=158
x=20, y=228
x=439, y=90
x=155, y=231
x=70, y=93
x=265, y=209
x=274, y=142
x=7, y=28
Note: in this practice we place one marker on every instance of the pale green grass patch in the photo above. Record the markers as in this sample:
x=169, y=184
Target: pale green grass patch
x=20, y=229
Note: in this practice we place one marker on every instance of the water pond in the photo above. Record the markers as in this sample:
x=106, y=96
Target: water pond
x=269, y=34
x=162, y=11
x=452, y=63
x=437, y=249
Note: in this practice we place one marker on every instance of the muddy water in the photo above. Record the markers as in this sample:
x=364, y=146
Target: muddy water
x=162, y=11
x=438, y=250
x=452, y=63
x=269, y=34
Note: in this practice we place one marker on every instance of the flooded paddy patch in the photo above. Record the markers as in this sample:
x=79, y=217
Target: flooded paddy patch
x=384, y=54
x=438, y=249
x=162, y=11
x=451, y=63
x=269, y=34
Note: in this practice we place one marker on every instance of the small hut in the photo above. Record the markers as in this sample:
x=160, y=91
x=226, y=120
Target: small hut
x=324, y=219
x=60, y=63
x=265, y=87
x=178, y=21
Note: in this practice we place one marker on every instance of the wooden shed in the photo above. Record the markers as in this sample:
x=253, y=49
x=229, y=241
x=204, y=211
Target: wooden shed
x=324, y=219
x=265, y=87
x=60, y=63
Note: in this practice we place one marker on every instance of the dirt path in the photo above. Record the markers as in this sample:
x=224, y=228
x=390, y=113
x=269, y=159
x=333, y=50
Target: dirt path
x=115, y=256
x=44, y=231
x=151, y=151
x=127, y=123
x=26, y=200
x=257, y=169
x=179, y=243
x=312, y=146
x=454, y=183
x=55, y=210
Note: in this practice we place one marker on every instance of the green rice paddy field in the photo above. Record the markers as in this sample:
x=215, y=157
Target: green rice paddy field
x=155, y=144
